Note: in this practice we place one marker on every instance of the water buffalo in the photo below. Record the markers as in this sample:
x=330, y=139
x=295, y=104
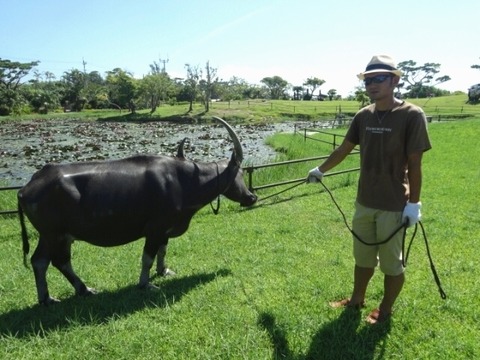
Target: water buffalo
x=109, y=203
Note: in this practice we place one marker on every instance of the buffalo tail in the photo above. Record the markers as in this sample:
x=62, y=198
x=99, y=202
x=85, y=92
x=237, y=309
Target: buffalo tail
x=26, y=245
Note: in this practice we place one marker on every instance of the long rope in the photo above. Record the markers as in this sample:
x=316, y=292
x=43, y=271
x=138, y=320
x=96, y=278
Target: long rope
x=443, y=295
x=403, y=226
x=282, y=191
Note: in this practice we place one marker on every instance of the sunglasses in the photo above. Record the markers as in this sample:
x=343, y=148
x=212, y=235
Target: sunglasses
x=376, y=79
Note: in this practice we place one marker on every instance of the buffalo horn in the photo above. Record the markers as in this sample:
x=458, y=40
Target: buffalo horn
x=237, y=147
x=180, y=153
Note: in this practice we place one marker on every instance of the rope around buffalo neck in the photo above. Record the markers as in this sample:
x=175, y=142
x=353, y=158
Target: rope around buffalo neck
x=217, y=209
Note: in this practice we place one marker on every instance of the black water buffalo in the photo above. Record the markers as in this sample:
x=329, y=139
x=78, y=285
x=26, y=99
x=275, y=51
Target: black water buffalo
x=109, y=203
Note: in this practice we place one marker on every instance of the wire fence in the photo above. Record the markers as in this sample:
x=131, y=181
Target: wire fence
x=296, y=108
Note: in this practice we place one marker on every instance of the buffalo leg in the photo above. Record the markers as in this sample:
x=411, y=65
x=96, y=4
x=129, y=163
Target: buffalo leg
x=162, y=269
x=153, y=247
x=61, y=259
x=147, y=262
x=79, y=286
x=149, y=251
x=40, y=261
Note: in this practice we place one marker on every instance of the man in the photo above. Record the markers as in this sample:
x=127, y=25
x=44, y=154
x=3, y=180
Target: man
x=392, y=136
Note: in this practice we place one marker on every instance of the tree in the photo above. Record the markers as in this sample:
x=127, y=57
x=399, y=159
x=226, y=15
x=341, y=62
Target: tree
x=49, y=76
x=313, y=83
x=42, y=96
x=11, y=74
x=155, y=88
x=297, y=92
x=361, y=96
x=475, y=66
x=331, y=94
x=276, y=86
x=121, y=89
x=94, y=90
x=255, y=92
x=74, y=83
x=233, y=89
x=156, y=68
x=420, y=77
x=194, y=74
x=209, y=84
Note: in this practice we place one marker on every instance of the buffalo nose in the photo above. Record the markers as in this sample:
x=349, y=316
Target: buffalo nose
x=252, y=199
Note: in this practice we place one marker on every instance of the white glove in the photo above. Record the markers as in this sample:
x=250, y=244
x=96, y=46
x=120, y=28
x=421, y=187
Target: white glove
x=411, y=213
x=314, y=175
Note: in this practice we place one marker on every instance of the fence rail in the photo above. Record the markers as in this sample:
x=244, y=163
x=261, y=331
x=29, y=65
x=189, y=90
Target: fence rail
x=9, y=188
x=306, y=135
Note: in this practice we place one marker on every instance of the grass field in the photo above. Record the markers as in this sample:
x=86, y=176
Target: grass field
x=254, y=111
x=255, y=283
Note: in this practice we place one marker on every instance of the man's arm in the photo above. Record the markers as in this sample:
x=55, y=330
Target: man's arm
x=415, y=176
x=337, y=156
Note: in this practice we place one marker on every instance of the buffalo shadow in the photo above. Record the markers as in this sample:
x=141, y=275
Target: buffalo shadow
x=100, y=308
x=338, y=339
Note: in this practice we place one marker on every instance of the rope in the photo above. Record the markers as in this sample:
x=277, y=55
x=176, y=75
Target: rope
x=403, y=226
x=282, y=191
x=443, y=295
x=217, y=209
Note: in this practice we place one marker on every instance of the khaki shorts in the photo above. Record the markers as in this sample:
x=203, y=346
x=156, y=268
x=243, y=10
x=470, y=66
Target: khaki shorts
x=372, y=226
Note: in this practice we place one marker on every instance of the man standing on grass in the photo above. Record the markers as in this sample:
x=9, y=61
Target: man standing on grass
x=392, y=135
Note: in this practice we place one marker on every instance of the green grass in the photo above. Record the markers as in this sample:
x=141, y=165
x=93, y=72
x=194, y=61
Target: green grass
x=255, y=111
x=255, y=283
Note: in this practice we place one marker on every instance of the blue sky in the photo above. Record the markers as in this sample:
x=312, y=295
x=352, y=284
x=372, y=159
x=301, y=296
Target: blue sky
x=249, y=39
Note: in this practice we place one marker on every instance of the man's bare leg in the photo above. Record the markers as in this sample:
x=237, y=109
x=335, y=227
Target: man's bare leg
x=361, y=279
x=392, y=287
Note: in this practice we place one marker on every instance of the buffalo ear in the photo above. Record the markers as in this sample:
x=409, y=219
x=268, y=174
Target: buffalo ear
x=234, y=161
x=180, y=153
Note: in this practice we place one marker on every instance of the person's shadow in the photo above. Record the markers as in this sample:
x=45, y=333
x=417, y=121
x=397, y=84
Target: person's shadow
x=338, y=339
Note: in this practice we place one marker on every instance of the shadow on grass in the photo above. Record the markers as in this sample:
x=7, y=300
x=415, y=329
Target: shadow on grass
x=100, y=308
x=338, y=339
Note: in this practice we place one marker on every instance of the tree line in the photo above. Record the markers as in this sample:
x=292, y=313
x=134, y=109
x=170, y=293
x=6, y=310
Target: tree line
x=77, y=90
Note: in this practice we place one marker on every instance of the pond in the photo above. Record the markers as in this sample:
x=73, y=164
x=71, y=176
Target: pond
x=26, y=146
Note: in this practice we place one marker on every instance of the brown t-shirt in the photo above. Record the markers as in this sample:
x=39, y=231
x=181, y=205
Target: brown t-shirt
x=385, y=141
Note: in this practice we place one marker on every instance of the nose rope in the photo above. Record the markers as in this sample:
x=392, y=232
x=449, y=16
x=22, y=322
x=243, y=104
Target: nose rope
x=302, y=181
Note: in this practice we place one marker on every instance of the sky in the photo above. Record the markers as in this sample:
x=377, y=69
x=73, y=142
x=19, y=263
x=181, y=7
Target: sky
x=249, y=39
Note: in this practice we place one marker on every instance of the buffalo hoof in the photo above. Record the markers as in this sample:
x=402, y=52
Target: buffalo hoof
x=148, y=287
x=166, y=272
x=89, y=291
x=152, y=287
x=49, y=301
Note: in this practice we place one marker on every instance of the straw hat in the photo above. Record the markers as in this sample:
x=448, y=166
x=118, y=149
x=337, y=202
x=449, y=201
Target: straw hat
x=380, y=63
